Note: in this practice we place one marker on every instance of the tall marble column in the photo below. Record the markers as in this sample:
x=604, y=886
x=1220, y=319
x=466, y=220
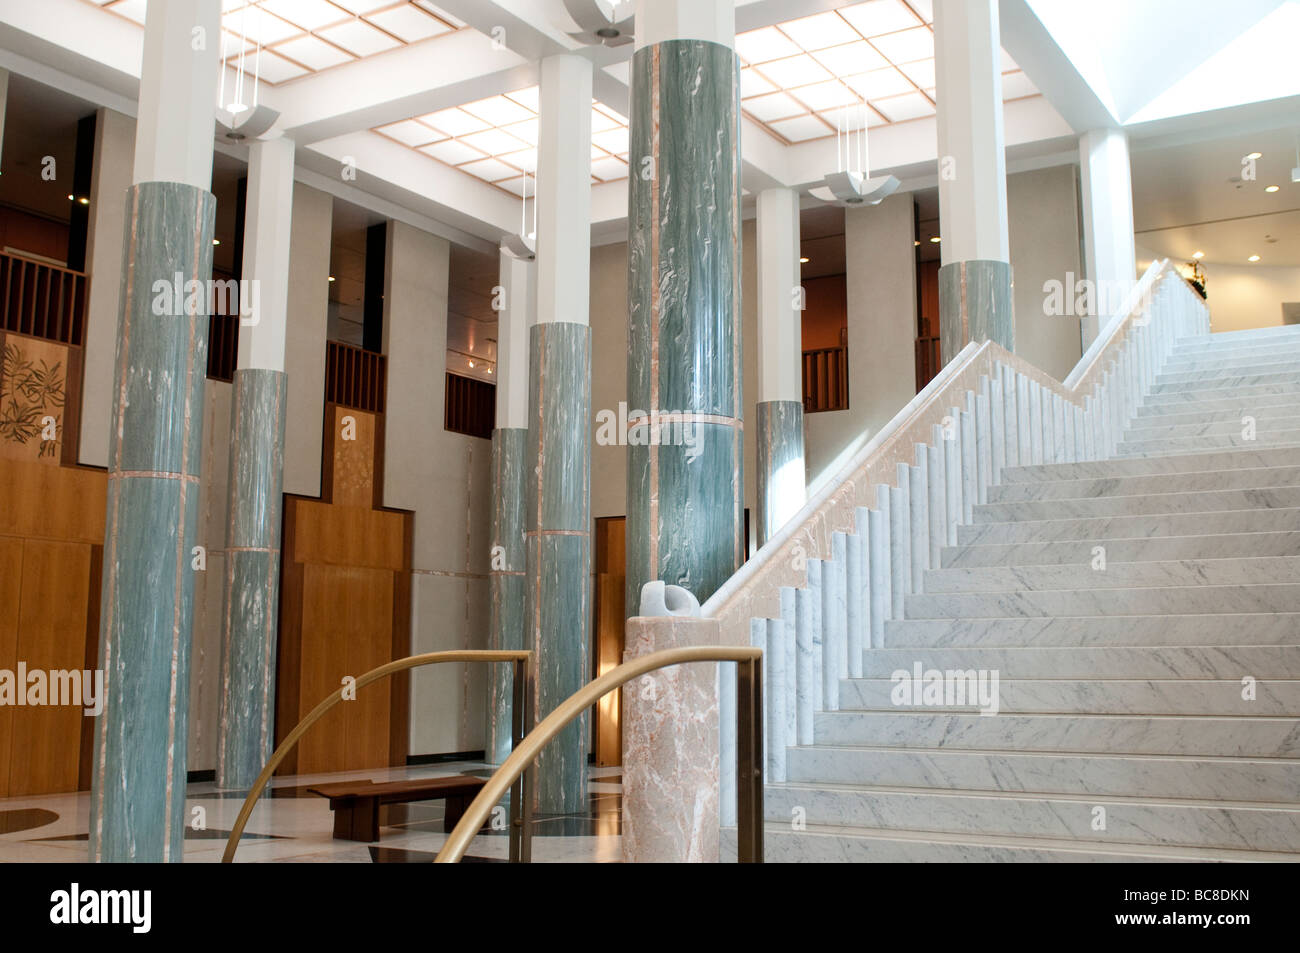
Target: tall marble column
x=246, y=734
x=975, y=276
x=137, y=805
x=781, y=476
x=1109, y=255
x=558, y=495
x=685, y=492
x=508, y=573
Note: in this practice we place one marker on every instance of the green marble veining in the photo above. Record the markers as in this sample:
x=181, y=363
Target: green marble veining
x=982, y=313
x=781, y=475
x=684, y=519
x=252, y=592
x=137, y=809
x=507, y=578
x=557, y=511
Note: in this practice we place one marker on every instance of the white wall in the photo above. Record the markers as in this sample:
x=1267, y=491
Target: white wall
x=304, y=357
x=1043, y=225
x=1249, y=296
x=881, y=288
x=114, y=155
x=445, y=478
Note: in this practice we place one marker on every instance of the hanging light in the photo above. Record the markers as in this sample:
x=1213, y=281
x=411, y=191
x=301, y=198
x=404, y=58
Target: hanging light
x=245, y=120
x=851, y=183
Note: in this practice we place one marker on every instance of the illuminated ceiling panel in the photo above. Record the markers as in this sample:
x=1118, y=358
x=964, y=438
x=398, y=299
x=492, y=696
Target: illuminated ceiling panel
x=495, y=140
x=803, y=79
x=284, y=39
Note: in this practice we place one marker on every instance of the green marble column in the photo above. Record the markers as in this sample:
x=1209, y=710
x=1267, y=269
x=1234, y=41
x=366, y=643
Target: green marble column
x=252, y=585
x=507, y=579
x=557, y=499
x=975, y=305
x=685, y=491
x=137, y=805
x=781, y=476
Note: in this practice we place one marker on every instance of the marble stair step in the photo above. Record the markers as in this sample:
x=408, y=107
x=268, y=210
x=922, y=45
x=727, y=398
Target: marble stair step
x=1254, y=570
x=1205, y=501
x=1211, y=736
x=1266, y=361
x=1264, y=424
x=1231, y=412
x=1183, y=398
x=1103, y=528
x=1263, y=437
x=1196, y=383
x=1201, y=697
x=1236, y=825
x=1027, y=772
x=1248, y=478
x=1260, y=628
x=1172, y=600
x=1133, y=550
x=855, y=845
x=1184, y=463
x=1250, y=336
x=1097, y=662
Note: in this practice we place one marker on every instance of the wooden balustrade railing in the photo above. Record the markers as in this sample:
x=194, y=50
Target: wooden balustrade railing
x=470, y=406
x=42, y=300
x=355, y=377
x=825, y=379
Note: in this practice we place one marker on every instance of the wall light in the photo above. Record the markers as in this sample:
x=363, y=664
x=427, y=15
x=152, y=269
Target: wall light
x=804, y=261
x=1253, y=258
x=216, y=241
x=331, y=278
x=1272, y=188
x=935, y=240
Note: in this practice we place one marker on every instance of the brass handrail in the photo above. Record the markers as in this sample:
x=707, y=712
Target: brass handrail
x=521, y=712
x=749, y=744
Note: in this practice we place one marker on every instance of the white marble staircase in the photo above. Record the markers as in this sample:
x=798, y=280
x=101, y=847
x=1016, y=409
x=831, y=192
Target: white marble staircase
x=1124, y=603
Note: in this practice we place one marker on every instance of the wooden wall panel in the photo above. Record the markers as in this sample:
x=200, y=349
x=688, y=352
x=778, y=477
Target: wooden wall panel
x=11, y=575
x=46, y=746
x=47, y=502
x=371, y=605
x=608, y=633
x=324, y=662
x=354, y=460
x=349, y=536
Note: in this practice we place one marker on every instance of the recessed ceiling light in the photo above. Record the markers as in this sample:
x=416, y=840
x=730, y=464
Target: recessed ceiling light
x=804, y=261
x=1198, y=254
x=1255, y=155
x=84, y=201
x=916, y=243
x=216, y=241
x=935, y=240
x=1272, y=188
x=331, y=277
x=1253, y=258
x=72, y=198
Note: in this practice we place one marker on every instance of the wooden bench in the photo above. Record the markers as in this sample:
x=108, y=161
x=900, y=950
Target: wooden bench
x=356, y=803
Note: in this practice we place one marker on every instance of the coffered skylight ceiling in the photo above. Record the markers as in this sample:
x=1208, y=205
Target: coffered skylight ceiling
x=299, y=37
x=495, y=139
x=806, y=78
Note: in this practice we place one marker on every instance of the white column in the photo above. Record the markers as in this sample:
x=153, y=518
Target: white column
x=1108, y=245
x=182, y=42
x=972, y=163
x=564, y=191
x=779, y=316
x=269, y=219
x=517, y=314
x=661, y=20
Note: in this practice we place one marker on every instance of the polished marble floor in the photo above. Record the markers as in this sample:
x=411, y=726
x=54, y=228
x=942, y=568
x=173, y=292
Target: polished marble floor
x=296, y=827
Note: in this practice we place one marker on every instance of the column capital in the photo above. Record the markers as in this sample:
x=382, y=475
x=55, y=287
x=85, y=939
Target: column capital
x=713, y=21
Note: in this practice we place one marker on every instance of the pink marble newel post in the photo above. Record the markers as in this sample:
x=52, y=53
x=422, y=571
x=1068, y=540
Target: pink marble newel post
x=670, y=747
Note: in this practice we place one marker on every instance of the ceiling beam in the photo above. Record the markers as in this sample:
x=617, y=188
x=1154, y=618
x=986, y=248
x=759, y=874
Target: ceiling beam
x=1031, y=45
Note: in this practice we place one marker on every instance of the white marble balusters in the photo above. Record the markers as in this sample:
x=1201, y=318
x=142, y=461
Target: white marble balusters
x=856, y=603
x=1024, y=421
x=900, y=540
x=807, y=677
x=983, y=441
x=997, y=430
x=789, y=616
x=834, y=615
x=776, y=696
x=969, y=467
x=878, y=567
x=816, y=582
x=952, y=471
x=919, y=496
x=1036, y=424
x=937, y=486
x=1011, y=429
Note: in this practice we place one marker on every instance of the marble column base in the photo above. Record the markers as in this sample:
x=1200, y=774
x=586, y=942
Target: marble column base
x=246, y=735
x=507, y=580
x=781, y=476
x=137, y=802
x=975, y=305
x=557, y=502
x=671, y=764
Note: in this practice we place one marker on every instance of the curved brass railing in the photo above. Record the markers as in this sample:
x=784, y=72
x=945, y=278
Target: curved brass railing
x=749, y=744
x=521, y=712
